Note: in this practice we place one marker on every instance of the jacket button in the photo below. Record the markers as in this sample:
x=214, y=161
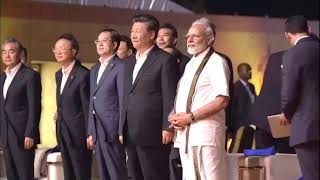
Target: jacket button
x=94, y=97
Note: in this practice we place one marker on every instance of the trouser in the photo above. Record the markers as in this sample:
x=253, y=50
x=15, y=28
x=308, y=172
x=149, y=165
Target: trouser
x=203, y=163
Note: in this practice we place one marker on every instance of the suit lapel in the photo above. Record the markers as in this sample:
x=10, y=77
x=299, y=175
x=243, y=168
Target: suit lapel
x=59, y=79
x=2, y=79
x=149, y=61
x=109, y=67
x=15, y=80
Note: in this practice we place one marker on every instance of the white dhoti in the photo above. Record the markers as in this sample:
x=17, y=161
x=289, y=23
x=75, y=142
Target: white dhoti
x=203, y=163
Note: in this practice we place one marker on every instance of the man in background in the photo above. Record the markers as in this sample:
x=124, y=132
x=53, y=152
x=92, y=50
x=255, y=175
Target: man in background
x=242, y=101
x=125, y=48
x=167, y=40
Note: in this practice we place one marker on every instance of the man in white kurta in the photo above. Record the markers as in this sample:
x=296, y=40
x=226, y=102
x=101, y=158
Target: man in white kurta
x=205, y=157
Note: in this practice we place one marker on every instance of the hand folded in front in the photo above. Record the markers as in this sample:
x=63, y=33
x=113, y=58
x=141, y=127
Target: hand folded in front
x=180, y=120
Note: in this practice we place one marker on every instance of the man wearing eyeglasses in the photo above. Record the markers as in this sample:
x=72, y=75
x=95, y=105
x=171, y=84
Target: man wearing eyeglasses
x=72, y=95
x=199, y=116
x=106, y=92
x=20, y=109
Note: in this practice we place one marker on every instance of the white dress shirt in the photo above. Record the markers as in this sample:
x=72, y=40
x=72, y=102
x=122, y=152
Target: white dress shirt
x=250, y=93
x=141, y=58
x=65, y=74
x=10, y=73
x=213, y=81
x=295, y=43
x=103, y=66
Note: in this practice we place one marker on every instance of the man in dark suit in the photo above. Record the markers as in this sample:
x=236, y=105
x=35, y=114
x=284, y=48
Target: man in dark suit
x=167, y=39
x=300, y=94
x=149, y=90
x=72, y=95
x=243, y=98
x=125, y=48
x=228, y=108
x=20, y=109
x=106, y=93
x=268, y=103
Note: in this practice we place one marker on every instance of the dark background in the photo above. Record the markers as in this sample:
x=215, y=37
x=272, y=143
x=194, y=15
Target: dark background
x=258, y=8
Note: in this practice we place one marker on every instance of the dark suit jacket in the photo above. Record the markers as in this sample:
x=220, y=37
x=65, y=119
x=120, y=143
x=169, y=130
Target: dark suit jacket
x=105, y=100
x=228, y=108
x=269, y=100
x=22, y=107
x=148, y=101
x=241, y=105
x=73, y=105
x=182, y=61
x=300, y=90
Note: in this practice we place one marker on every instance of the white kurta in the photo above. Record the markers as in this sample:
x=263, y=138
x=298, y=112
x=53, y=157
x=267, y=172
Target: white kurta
x=207, y=136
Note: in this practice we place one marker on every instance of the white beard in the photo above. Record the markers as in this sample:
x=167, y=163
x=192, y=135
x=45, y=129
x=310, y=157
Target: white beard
x=196, y=49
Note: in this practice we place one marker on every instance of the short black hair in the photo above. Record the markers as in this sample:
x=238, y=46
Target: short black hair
x=296, y=24
x=13, y=40
x=171, y=28
x=25, y=52
x=71, y=38
x=128, y=42
x=241, y=65
x=152, y=22
x=115, y=36
x=314, y=36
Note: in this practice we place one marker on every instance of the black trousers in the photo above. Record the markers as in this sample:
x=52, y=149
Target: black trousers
x=76, y=161
x=111, y=160
x=148, y=162
x=308, y=156
x=175, y=164
x=264, y=139
x=18, y=161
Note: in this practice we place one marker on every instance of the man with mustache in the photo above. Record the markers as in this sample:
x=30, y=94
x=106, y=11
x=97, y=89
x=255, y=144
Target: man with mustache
x=199, y=116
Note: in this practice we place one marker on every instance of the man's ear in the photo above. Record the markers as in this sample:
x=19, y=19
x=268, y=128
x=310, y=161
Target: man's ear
x=175, y=41
x=115, y=44
x=153, y=35
x=130, y=52
x=74, y=52
x=211, y=40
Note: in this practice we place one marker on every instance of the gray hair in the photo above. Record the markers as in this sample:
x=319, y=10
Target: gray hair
x=209, y=26
x=13, y=40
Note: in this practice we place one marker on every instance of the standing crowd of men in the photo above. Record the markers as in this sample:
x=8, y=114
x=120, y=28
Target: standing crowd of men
x=145, y=100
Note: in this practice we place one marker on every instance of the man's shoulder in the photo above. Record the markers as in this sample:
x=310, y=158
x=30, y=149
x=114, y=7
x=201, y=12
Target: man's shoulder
x=277, y=55
x=237, y=83
x=82, y=68
x=29, y=71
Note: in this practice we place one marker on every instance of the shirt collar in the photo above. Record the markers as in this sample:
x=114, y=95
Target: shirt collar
x=300, y=39
x=14, y=70
x=106, y=60
x=67, y=70
x=243, y=82
x=145, y=54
